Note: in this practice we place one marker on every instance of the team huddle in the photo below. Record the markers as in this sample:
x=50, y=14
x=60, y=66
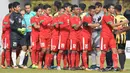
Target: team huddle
x=70, y=34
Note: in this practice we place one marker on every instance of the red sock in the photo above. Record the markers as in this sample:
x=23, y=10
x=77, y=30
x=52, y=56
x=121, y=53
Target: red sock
x=47, y=60
x=3, y=58
x=37, y=57
x=8, y=57
x=51, y=58
x=65, y=60
x=115, y=60
x=77, y=59
x=59, y=58
x=102, y=59
x=73, y=59
x=33, y=56
x=69, y=59
x=84, y=56
x=41, y=57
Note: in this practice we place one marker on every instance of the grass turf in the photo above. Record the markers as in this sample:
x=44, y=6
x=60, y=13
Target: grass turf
x=127, y=67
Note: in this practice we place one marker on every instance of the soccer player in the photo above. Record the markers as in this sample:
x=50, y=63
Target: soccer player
x=97, y=18
x=64, y=35
x=86, y=34
x=75, y=30
x=26, y=21
x=82, y=7
x=107, y=38
x=6, y=38
x=45, y=36
x=121, y=37
x=57, y=6
x=17, y=34
x=35, y=34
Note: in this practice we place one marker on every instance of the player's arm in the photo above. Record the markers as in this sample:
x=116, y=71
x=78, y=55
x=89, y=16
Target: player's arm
x=34, y=24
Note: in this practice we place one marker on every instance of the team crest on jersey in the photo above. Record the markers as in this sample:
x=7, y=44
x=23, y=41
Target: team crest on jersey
x=53, y=47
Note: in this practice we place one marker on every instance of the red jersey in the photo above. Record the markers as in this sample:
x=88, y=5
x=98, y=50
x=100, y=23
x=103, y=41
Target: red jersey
x=56, y=28
x=87, y=31
x=65, y=27
x=106, y=28
x=35, y=21
x=74, y=21
x=45, y=30
x=6, y=26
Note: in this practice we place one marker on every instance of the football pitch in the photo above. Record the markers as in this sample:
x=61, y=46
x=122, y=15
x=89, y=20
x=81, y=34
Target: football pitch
x=127, y=70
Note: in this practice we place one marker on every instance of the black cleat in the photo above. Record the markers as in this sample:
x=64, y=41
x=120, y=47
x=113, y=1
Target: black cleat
x=77, y=68
x=109, y=68
x=116, y=69
x=103, y=70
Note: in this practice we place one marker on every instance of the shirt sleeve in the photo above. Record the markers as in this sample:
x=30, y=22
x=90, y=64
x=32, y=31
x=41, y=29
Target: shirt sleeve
x=12, y=23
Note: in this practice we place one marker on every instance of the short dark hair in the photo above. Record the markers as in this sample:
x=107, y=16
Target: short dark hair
x=27, y=4
x=41, y=5
x=118, y=7
x=105, y=6
x=98, y=4
x=109, y=5
x=36, y=8
x=10, y=5
x=91, y=7
x=46, y=6
x=73, y=6
x=15, y=4
x=67, y=5
x=82, y=6
x=57, y=4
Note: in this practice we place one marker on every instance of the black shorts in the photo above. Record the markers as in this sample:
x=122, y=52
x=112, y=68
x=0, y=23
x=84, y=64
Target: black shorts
x=27, y=36
x=17, y=40
x=121, y=46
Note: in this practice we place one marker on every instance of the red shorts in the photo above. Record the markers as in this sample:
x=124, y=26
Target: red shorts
x=85, y=44
x=107, y=43
x=73, y=44
x=45, y=43
x=35, y=41
x=63, y=42
x=54, y=43
x=6, y=42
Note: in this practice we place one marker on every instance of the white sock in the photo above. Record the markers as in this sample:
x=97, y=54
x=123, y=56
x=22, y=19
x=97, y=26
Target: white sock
x=98, y=58
x=93, y=57
x=13, y=55
x=22, y=55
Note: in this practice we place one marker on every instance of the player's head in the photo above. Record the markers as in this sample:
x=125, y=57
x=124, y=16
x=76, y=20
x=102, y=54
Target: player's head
x=38, y=10
x=98, y=7
x=75, y=9
x=118, y=8
x=110, y=8
x=16, y=6
x=82, y=7
x=91, y=10
x=105, y=8
x=61, y=11
x=47, y=8
x=41, y=5
x=10, y=7
x=67, y=7
x=28, y=7
x=57, y=5
x=22, y=11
